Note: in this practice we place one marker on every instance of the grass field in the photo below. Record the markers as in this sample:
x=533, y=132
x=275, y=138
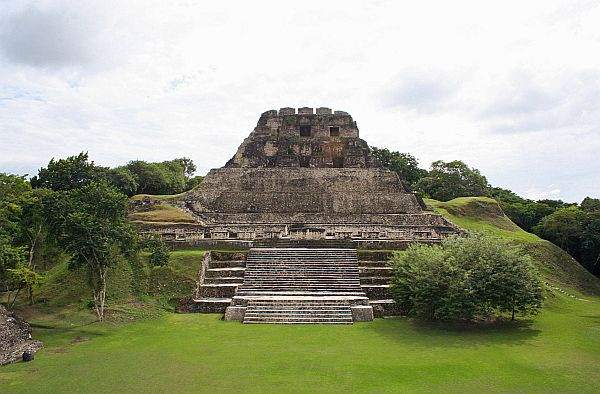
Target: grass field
x=557, y=351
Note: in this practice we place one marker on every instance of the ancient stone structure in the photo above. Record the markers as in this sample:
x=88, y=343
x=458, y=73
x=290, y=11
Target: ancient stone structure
x=15, y=338
x=303, y=176
x=303, y=191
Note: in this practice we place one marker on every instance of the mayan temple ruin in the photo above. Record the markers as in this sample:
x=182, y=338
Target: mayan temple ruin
x=302, y=193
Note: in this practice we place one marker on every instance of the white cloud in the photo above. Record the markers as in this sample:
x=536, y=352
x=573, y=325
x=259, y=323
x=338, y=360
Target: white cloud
x=511, y=88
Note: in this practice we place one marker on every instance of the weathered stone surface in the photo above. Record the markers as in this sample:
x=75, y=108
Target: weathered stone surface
x=235, y=313
x=15, y=338
x=362, y=313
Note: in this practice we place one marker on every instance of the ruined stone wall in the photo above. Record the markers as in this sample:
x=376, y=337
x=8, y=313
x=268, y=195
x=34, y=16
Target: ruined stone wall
x=277, y=141
x=300, y=190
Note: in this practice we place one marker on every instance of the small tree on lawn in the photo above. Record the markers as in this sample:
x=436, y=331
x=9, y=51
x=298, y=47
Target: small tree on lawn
x=465, y=278
x=92, y=227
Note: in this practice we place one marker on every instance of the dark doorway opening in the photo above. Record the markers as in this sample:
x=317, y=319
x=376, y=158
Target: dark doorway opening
x=305, y=161
x=338, y=162
x=334, y=131
x=305, y=131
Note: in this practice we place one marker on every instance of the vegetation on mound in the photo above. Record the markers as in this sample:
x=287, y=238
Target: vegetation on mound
x=482, y=215
x=162, y=213
x=134, y=287
x=557, y=351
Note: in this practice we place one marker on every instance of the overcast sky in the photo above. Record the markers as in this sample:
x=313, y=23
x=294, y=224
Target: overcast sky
x=511, y=88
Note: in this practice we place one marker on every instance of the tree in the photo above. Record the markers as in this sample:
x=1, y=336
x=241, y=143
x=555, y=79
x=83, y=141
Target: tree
x=194, y=181
x=465, y=278
x=448, y=180
x=524, y=212
x=124, y=180
x=159, y=252
x=404, y=164
x=590, y=204
x=189, y=168
x=22, y=278
x=70, y=173
x=15, y=196
x=563, y=228
x=92, y=227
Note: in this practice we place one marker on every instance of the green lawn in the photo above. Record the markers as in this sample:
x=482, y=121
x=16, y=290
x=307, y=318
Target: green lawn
x=557, y=351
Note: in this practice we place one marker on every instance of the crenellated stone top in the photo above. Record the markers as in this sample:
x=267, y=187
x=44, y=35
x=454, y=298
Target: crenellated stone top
x=287, y=138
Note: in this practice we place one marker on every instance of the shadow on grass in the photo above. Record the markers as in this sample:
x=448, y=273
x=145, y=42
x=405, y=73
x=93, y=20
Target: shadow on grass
x=455, y=334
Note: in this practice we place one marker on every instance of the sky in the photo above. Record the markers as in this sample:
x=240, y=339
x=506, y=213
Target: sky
x=512, y=88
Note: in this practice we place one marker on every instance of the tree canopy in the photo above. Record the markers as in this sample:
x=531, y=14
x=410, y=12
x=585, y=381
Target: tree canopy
x=91, y=226
x=404, y=164
x=448, y=180
x=465, y=278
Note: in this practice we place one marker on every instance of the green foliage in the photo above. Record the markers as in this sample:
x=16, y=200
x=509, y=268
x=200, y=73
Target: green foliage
x=159, y=252
x=194, y=181
x=524, y=212
x=124, y=180
x=67, y=174
x=91, y=226
x=466, y=278
x=404, y=164
x=168, y=177
x=448, y=180
x=590, y=204
x=483, y=215
x=577, y=231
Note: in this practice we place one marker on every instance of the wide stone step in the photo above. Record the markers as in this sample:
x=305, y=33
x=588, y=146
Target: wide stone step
x=367, y=263
x=235, y=271
x=209, y=305
x=227, y=264
x=375, y=280
x=375, y=271
x=377, y=292
x=223, y=280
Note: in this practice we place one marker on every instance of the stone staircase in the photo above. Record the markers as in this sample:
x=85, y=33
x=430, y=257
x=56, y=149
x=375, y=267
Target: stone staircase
x=375, y=279
x=220, y=275
x=300, y=286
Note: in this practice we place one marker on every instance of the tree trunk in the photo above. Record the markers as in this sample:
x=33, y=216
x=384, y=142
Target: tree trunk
x=33, y=243
x=513, y=305
x=101, y=294
x=14, y=299
x=30, y=295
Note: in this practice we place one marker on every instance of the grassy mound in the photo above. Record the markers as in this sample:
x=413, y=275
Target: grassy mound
x=132, y=285
x=484, y=215
x=162, y=213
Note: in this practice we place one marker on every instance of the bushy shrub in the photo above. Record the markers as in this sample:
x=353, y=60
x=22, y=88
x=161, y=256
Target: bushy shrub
x=465, y=278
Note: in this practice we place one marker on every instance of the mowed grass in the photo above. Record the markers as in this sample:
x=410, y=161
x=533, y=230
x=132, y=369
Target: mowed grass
x=557, y=351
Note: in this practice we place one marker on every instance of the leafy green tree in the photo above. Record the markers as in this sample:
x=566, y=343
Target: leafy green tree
x=92, y=227
x=465, y=278
x=563, y=228
x=194, y=181
x=189, y=168
x=404, y=164
x=124, y=180
x=590, y=204
x=15, y=196
x=524, y=212
x=159, y=252
x=22, y=278
x=448, y=180
x=70, y=173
